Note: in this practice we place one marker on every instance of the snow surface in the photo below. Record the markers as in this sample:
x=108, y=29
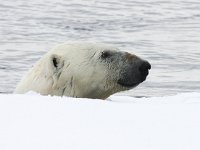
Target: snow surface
x=34, y=122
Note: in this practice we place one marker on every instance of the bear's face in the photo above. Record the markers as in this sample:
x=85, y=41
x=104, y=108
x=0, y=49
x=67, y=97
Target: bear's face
x=95, y=71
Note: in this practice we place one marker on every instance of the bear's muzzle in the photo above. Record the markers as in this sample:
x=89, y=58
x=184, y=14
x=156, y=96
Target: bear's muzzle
x=134, y=73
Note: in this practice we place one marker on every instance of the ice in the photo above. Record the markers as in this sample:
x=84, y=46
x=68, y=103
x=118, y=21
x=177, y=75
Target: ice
x=35, y=122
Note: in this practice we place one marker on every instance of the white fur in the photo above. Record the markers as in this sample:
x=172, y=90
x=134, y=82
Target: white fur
x=80, y=72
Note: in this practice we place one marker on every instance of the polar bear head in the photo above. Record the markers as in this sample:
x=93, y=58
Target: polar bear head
x=86, y=70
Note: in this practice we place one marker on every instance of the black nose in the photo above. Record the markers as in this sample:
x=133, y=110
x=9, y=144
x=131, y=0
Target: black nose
x=144, y=69
x=145, y=66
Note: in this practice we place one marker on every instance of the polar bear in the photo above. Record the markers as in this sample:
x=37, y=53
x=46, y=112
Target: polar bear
x=84, y=70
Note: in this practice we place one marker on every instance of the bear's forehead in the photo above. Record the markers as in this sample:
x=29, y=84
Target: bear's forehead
x=77, y=49
x=100, y=47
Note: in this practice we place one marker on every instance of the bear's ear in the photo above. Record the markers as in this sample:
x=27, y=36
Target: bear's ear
x=56, y=61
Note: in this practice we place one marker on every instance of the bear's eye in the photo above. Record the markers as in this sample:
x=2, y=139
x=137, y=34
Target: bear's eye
x=105, y=54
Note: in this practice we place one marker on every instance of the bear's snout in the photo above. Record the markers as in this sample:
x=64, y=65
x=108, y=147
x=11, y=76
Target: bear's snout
x=144, y=70
x=134, y=72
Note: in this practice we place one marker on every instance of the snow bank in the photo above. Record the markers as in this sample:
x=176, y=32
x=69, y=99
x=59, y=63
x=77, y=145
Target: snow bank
x=34, y=122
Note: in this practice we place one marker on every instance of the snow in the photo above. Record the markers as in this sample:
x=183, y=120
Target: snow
x=35, y=122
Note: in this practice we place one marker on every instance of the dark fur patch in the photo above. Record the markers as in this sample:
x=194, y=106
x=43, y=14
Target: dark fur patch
x=55, y=63
x=130, y=57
